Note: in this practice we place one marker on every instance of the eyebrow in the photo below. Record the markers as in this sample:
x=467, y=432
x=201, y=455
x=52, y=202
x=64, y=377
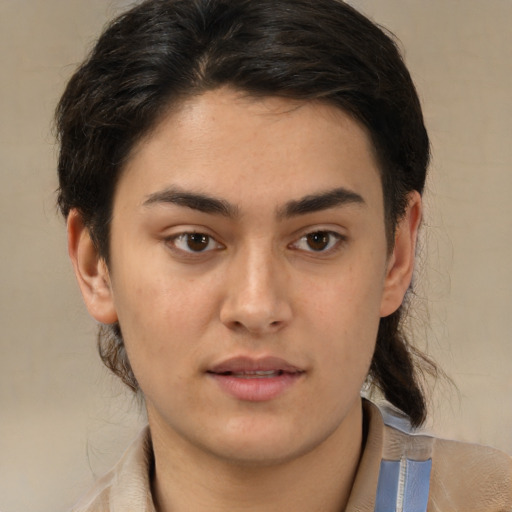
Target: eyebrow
x=193, y=200
x=319, y=202
x=206, y=204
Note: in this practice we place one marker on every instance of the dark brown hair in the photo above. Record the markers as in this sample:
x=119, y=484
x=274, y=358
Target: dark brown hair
x=163, y=51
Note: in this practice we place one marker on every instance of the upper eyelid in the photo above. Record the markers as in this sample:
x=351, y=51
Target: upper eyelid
x=309, y=230
x=177, y=231
x=294, y=237
x=337, y=235
x=172, y=238
x=340, y=240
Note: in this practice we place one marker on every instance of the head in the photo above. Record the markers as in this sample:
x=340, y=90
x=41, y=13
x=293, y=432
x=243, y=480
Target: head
x=163, y=54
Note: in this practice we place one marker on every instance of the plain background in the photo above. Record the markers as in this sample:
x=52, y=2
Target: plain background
x=64, y=420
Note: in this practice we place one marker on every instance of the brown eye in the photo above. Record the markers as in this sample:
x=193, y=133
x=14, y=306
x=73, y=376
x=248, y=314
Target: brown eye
x=318, y=241
x=194, y=243
x=323, y=242
x=197, y=242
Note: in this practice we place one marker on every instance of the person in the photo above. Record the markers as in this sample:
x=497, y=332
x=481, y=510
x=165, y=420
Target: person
x=242, y=184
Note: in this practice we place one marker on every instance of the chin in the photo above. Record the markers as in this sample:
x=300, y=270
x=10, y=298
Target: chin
x=254, y=443
x=258, y=455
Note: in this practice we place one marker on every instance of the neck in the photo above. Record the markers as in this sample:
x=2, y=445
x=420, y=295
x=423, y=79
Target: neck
x=187, y=478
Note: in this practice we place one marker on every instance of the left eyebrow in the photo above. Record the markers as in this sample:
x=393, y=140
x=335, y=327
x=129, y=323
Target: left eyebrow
x=319, y=202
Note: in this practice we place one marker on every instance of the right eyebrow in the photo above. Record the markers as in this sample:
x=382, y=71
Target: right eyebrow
x=193, y=200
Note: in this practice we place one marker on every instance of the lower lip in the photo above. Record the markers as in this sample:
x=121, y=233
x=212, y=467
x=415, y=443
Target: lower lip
x=259, y=389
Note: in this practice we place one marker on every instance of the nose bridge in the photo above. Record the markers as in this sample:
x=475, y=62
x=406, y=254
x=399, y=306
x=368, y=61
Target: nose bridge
x=256, y=297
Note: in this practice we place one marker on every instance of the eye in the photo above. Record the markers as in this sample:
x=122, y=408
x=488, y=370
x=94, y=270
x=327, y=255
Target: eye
x=194, y=242
x=319, y=241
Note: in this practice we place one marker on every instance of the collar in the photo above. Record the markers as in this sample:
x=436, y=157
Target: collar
x=393, y=461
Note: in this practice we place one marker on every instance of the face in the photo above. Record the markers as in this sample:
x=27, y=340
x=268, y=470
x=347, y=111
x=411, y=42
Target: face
x=249, y=270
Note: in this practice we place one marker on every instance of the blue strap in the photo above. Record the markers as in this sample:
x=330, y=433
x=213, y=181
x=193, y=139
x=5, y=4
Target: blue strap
x=403, y=486
x=387, y=488
x=417, y=485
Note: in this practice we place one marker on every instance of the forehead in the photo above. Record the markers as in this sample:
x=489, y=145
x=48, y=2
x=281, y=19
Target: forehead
x=238, y=147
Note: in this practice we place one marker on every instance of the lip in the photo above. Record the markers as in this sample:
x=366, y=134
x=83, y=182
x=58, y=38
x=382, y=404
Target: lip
x=255, y=379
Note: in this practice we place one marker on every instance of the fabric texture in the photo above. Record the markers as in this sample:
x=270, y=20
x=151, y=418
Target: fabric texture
x=400, y=471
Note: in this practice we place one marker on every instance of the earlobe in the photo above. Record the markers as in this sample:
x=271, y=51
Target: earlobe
x=401, y=261
x=90, y=270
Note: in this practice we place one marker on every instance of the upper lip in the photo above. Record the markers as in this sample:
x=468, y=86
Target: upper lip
x=249, y=364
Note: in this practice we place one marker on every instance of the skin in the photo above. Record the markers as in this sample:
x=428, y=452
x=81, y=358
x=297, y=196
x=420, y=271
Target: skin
x=259, y=287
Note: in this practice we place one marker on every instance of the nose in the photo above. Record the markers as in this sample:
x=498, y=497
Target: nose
x=256, y=298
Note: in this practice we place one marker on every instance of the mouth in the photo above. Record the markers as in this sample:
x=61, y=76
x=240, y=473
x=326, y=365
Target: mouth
x=255, y=380
x=256, y=374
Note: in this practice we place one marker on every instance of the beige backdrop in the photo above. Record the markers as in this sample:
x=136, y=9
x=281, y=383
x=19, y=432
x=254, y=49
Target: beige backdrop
x=63, y=419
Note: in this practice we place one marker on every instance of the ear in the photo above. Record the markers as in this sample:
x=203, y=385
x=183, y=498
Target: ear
x=90, y=270
x=401, y=261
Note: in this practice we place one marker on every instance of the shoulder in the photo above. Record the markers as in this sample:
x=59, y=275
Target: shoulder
x=470, y=477
x=459, y=476
x=126, y=486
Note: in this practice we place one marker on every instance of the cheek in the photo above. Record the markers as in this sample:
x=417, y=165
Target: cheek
x=345, y=313
x=152, y=293
x=161, y=316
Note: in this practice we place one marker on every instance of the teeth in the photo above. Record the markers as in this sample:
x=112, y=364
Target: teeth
x=257, y=374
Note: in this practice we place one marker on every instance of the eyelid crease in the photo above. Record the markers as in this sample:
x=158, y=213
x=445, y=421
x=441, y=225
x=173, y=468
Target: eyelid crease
x=171, y=239
x=336, y=241
x=340, y=240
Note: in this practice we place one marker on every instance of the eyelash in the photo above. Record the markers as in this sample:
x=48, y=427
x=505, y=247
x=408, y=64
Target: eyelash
x=186, y=237
x=334, y=242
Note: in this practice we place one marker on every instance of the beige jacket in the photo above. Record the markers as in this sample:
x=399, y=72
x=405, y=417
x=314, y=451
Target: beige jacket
x=400, y=471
